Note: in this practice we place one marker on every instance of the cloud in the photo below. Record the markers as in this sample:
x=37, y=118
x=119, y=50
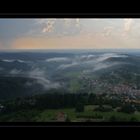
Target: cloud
x=44, y=21
x=47, y=84
x=64, y=66
x=64, y=34
x=46, y=25
x=15, y=71
x=13, y=60
x=91, y=63
x=128, y=24
x=89, y=33
x=41, y=78
x=68, y=22
x=21, y=61
x=100, y=66
x=127, y=27
x=49, y=27
x=80, y=60
x=87, y=57
x=37, y=73
x=28, y=84
x=58, y=27
x=77, y=24
x=57, y=59
x=8, y=60
x=41, y=21
x=107, y=31
x=108, y=55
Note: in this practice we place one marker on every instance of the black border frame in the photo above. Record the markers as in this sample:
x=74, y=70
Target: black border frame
x=69, y=15
x=70, y=124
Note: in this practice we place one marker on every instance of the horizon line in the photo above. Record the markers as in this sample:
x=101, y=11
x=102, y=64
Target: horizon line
x=77, y=49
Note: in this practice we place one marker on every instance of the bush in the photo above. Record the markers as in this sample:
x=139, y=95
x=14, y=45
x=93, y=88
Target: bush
x=127, y=108
x=88, y=120
x=103, y=109
x=133, y=119
x=137, y=106
x=98, y=116
x=67, y=119
x=118, y=119
x=80, y=107
x=112, y=119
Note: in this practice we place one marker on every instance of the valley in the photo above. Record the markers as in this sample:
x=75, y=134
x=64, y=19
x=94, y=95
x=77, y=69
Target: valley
x=45, y=85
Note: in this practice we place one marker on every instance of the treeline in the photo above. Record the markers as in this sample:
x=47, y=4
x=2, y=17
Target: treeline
x=54, y=99
x=46, y=101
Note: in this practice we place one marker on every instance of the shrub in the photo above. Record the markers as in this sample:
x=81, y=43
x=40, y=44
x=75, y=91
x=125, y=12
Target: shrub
x=112, y=119
x=127, y=108
x=80, y=107
x=103, y=109
x=133, y=119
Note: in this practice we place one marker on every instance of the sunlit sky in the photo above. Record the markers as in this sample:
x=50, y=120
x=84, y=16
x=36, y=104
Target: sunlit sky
x=82, y=33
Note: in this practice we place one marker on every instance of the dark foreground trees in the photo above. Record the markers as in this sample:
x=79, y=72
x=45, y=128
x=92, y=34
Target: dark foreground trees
x=127, y=108
x=60, y=100
x=79, y=107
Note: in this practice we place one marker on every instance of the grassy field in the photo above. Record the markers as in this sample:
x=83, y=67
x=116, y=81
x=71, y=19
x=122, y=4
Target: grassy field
x=50, y=115
x=88, y=114
x=74, y=86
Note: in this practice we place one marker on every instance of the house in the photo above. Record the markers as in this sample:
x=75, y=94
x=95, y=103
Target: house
x=61, y=117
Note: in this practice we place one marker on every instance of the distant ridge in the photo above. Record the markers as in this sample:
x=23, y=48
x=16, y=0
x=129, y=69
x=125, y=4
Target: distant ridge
x=123, y=50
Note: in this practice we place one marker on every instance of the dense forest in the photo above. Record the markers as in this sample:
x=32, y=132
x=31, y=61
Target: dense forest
x=80, y=105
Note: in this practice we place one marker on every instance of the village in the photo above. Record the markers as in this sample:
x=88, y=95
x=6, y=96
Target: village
x=124, y=91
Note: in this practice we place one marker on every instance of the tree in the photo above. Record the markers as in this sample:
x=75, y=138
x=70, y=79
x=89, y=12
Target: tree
x=68, y=119
x=133, y=119
x=79, y=107
x=91, y=98
x=112, y=119
x=127, y=108
x=103, y=108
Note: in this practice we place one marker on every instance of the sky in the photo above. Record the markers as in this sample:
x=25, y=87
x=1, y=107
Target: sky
x=70, y=33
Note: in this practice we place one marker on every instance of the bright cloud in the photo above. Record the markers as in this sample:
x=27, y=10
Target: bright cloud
x=64, y=66
x=107, y=31
x=101, y=66
x=49, y=26
x=57, y=59
x=128, y=24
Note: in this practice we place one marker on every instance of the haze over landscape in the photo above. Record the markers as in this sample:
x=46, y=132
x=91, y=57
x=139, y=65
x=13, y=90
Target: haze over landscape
x=69, y=70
